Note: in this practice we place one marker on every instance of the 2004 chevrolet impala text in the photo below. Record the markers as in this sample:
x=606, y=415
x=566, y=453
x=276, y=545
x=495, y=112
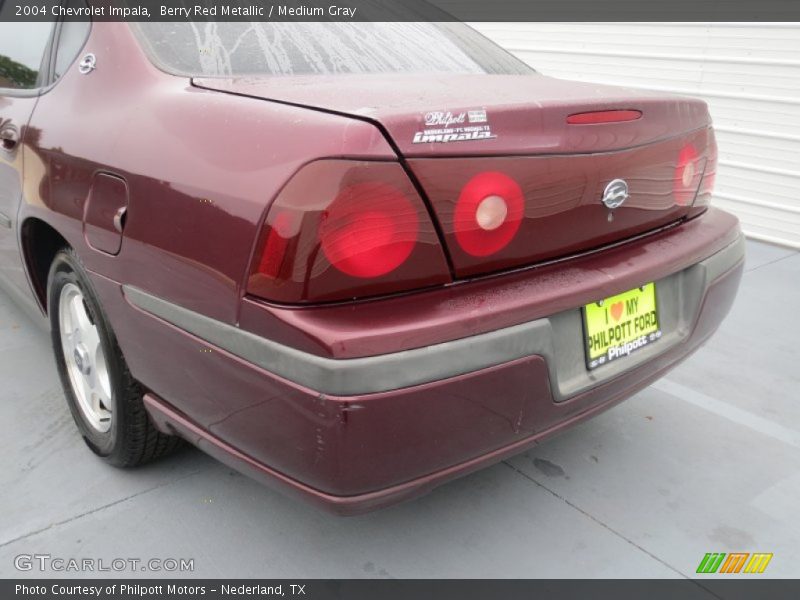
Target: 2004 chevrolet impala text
x=353, y=260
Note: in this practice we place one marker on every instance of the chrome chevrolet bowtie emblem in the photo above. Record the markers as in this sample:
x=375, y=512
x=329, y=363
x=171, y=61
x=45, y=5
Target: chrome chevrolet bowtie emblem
x=615, y=194
x=88, y=64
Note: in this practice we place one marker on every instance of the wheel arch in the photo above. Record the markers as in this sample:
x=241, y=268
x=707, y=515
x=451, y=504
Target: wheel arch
x=40, y=242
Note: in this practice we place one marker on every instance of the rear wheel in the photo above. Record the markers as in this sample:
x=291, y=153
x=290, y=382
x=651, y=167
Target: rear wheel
x=105, y=400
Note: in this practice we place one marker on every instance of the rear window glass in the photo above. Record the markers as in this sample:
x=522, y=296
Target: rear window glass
x=275, y=48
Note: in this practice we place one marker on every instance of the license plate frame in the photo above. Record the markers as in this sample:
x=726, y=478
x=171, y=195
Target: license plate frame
x=608, y=338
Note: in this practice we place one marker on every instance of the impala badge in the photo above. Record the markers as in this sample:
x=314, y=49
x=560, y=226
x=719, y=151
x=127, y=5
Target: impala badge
x=615, y=193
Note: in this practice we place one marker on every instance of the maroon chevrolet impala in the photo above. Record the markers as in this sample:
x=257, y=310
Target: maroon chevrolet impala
x=353, y=260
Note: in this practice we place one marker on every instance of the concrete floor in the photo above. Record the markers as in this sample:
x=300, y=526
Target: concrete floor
x=707, y=460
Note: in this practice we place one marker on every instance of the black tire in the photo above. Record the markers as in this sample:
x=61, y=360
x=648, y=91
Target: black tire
x=132, y=439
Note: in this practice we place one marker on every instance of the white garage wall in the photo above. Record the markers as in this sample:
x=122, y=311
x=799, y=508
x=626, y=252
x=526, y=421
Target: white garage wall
x=748, y=74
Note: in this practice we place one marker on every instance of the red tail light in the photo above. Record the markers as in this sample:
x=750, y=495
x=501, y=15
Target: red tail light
x=488, y=213
x=343, y=229
x=368, y=241
x=687, y=175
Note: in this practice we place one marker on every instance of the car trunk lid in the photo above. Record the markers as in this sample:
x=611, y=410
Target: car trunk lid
x=464, y=137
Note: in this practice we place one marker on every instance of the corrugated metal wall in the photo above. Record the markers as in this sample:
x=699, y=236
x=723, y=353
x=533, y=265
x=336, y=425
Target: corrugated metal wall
x=748, y=74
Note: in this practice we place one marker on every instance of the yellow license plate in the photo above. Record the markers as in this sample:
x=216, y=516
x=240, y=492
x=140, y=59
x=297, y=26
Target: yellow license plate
x=617, y=326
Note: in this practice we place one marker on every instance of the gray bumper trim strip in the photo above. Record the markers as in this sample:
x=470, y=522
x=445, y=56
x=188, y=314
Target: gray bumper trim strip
x=353, y=376
x=349, y=377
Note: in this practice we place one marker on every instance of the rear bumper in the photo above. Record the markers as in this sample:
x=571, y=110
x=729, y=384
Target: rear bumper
x=354, y=434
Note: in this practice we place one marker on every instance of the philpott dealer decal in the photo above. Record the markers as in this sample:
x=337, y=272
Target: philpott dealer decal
x=443, y=127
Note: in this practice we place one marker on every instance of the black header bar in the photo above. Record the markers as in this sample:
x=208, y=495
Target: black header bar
x=712, y=588
x=404, y=10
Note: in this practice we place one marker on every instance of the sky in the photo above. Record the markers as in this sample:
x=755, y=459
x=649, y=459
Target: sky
x=24, y=42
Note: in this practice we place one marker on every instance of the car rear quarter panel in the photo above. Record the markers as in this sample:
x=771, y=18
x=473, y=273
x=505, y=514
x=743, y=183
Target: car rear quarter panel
x=201, y=168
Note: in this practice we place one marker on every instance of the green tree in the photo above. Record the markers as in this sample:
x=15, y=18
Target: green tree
x=13, y=74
